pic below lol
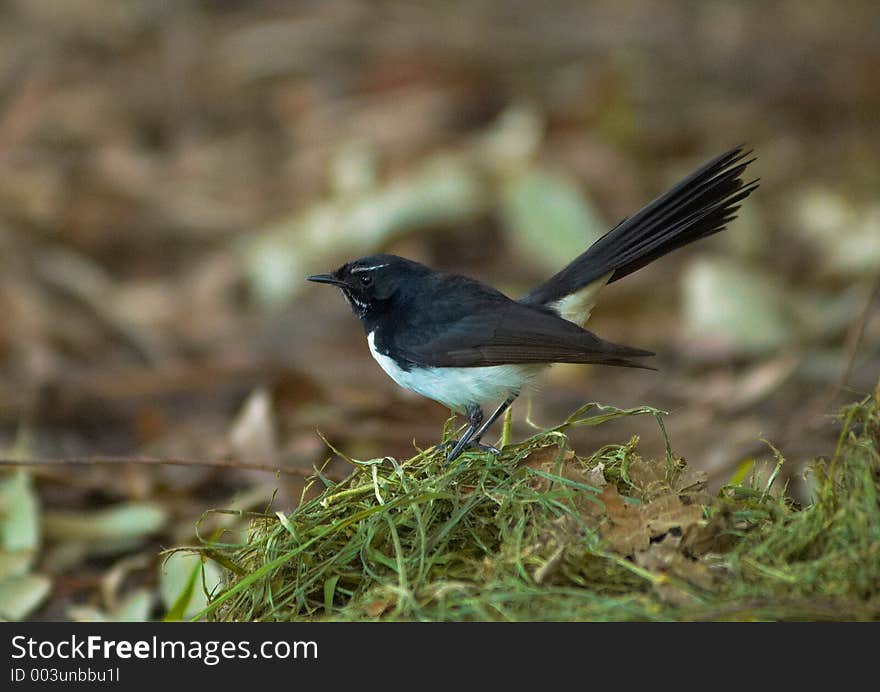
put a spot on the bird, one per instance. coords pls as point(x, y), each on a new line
point(467, 345)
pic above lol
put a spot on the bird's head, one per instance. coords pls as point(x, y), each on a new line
point(372, 284)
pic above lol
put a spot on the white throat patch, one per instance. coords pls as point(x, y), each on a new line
point(352, 300)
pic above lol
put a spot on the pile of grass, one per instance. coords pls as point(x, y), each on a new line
point(542, 533)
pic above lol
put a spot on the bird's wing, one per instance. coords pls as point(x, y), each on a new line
point(502, 331)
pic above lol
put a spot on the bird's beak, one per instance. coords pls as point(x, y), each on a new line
point(326, 279)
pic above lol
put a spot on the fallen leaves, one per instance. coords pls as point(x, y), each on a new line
point(630, 528)
point(656, 536)
point(659, 525)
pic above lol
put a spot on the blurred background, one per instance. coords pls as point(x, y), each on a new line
point(170, 172)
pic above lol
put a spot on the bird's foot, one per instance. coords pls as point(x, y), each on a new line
point(456, 450)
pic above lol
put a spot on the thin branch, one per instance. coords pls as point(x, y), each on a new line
point(157, 461)
point(853, 342)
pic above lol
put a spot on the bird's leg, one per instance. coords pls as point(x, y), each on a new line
point(475, 417)
point(478, 428)
point(478, 435)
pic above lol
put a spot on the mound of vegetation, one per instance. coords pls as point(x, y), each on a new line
point(541, 532)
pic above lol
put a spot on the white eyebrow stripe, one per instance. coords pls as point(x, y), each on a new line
point(357, 270)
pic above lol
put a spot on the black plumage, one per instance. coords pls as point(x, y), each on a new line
point(699, 206)
point(447, 320)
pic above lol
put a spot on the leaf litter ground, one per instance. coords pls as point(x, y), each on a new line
point(541, 532)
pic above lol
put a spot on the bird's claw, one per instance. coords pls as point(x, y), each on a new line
point(470, 445)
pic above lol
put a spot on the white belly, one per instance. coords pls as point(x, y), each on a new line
point(456, 388)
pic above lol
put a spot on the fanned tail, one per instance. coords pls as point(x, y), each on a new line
point(699, 206)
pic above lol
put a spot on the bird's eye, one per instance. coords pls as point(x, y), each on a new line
point(366, 280)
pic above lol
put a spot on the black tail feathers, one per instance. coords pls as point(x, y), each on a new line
point(700, 205)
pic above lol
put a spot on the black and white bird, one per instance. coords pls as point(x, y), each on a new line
point(466, 345)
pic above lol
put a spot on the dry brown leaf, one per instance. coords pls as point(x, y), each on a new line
point(631, 528)
point(713, 536)
point(690, 484)
point(649, 476)
point(652, 480)
point(661, 535)
point(626, 532)
point(665, 558)
point(668, 514)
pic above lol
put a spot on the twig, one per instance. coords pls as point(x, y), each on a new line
point(853, 342)
point(854, 337)
point(157, 461)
